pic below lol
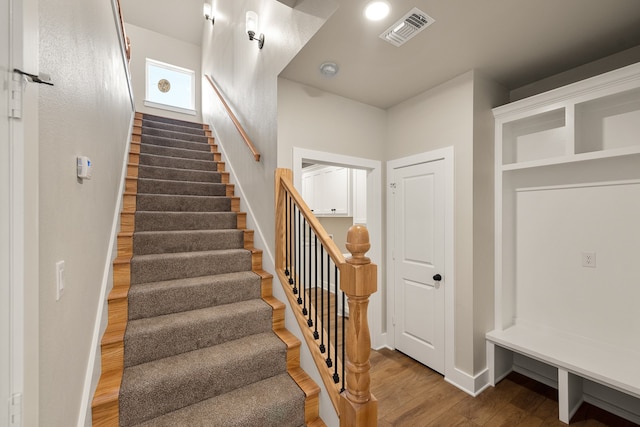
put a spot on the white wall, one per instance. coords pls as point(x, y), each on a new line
point(247, 78)
point(149, 44)
point(322, 122)
point(87, 112)
point(438, 118)
point(486, 95)
point(554, 225)
point(458, 113)
point(317, 120)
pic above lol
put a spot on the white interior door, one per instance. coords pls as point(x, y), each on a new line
point(5, 306)
point(419, 319)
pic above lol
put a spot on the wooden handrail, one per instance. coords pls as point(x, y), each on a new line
point(127, 42)
point(356, 406)
point(235, 121)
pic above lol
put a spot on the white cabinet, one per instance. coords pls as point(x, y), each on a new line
point(567, 183)
point(327, 190)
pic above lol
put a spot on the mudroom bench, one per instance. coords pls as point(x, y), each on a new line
point(565, 361)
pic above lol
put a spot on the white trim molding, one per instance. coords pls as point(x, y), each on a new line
point(446, 154)
point(378, 325)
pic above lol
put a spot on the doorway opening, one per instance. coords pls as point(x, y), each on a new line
point(372, 185)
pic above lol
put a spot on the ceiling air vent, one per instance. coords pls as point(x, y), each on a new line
point(407, 27)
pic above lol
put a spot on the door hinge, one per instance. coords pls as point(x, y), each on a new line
point(393, 320)
point(15, 410)
point(15, 102)
point(392, 185)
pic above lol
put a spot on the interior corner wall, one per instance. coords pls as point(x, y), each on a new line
point(149, 44)
point(87, 112)
point(443, 117)
point(486, 95)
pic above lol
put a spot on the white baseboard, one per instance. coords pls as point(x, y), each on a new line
point(93, 369)
point(470, 384)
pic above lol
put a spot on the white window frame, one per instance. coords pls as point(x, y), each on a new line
point(152, 62)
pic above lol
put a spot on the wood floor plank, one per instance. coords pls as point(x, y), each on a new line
point(411, 394)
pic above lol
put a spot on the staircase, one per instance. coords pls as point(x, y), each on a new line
point(204, 343)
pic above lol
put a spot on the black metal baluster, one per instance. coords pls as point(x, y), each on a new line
point(303, 269)
point(328, 360)
point(322, 347)
point(344, 360)
point(307, 294)
point(316, 335)
point(286, 236)
point(336, 377)
point(292, 229)
point(296, 290)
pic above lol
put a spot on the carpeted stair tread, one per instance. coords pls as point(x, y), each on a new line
point(164, 336)
point(274, 402)
point(185, 188)
point(165, 221)
point(176, 174)
point(178, 203)
point(159, 267)
point(199, 349)
point(182, 153)
point(176, 135)
point(173, 296)
point(168, 142)
point(167, 120)
point(168, 126)
point(151, 389)
point(156, 242)
point(177, 163)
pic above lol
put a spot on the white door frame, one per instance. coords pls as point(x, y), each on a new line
point(377, 324)
point(5, 218)
point(23, 55)
point(446, 155)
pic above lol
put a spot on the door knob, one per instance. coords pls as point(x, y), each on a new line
point(437, 277)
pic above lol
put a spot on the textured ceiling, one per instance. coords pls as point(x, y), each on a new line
point(180, 19)
point(515, 42)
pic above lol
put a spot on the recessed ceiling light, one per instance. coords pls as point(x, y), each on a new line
point(329, 69)
point(377, 10)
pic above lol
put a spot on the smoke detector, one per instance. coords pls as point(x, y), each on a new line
point(329, 69)
point(407, 27)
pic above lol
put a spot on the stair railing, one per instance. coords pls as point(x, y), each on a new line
point(311, 269)
point(235, 120)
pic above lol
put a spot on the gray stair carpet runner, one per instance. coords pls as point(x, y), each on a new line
point(199, 348)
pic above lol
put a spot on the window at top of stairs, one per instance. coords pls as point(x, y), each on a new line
point(169, 87)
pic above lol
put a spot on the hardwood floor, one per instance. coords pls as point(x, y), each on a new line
point(410, 394)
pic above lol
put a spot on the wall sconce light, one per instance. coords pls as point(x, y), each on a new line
point(206, 11)
point(252, 28)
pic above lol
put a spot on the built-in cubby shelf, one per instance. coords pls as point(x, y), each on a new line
point(567, 182)
point(599, 116)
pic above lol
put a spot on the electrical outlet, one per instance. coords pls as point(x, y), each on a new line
point(59, 279)
point(589, 259)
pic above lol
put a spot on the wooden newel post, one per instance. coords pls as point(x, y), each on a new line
point(358, 280)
